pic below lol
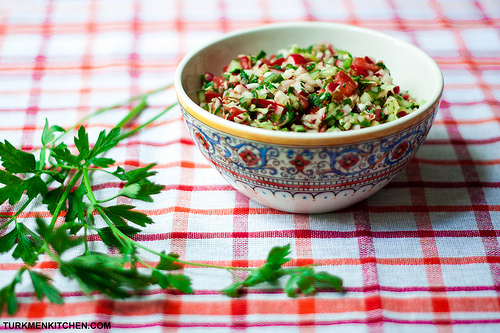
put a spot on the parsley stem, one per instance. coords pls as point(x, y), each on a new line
point(190, 263)
point(95, 203)
point(145, 263)
point(122, 237)
point(19, 211)
point(64, 197)
point(138, 128)
point(133, 113)
point(111, 107)
point(85, 229)
point(46, 249)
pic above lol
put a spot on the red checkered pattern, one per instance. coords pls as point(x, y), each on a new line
point(422, 255)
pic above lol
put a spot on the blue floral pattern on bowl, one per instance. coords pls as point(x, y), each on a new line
point(295, 178)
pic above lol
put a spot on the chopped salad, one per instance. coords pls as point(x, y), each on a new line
point(314, 89)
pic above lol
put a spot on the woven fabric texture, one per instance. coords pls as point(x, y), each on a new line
point(421, 255)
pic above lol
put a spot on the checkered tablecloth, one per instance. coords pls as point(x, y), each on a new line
point(422, 255)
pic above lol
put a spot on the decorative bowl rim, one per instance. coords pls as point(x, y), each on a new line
point(308, 138)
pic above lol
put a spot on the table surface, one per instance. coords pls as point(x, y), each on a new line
point(421, 255)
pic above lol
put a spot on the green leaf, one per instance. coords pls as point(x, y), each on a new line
point(13, 190)
point(161, 279)
point(61, 240)
point(139, 176)
point(271, 271)
point(12, 306)
point(264, 273)
point(330, 280)
point(234, 289)
point(15, 160)
point(105, 142)
point(168, 263)
point(291, 285)
point(8, 294)
point(110, 239)
point(48, 132)
point(138, 187)
point(102, 162)
point(62, 154)
point(42, 228)
point(147, 189)
point(44, 288)
point(130, 191)
point(305, 281)
point(40, 164)
point(135, 175)
point(181, 282)
point(52, 198)
point(8, 240)
point(76, 205)
point(277, 256)
point(90, 214)
point(82, 143)
point(8, 178)
point(8, 298)
point(119, 213)
point(104, 273)
point(26, 248)
point(302, 279)
point(35, 186)
point(315, 101)
point(120, 173)
point(178, 281)
point(58, 238)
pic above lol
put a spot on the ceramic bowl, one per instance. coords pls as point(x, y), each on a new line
point(310, 172)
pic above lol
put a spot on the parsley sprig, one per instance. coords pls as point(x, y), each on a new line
point(62, 178)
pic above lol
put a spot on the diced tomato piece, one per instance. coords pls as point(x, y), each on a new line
point(264, 103)
point(336, 94)
point(218, 81)
point(234, 112)
point(211, 94)
point(363, 67)
point(245, 62)
point(332, 49)
point(346, 84)
point(331, 87)
point(209, 76)
point(303, 98)
point(274, 61)
point(297, 59)
point(271, 105)
point(313, 110)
